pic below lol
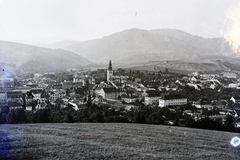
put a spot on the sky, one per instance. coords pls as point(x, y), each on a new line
point(52, 20)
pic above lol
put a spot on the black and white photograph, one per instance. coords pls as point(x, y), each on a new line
point(119, 79)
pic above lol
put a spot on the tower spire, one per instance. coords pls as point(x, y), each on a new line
point(109, 72)
point(110, 65)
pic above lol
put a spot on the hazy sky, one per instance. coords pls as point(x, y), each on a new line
point(89, 19)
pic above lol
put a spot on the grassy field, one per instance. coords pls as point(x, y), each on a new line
point(182, 67)
point(113, 141)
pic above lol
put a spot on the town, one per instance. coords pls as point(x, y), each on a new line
point(199, 100)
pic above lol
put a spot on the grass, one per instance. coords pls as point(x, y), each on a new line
point(113, 141)
point(182, 67)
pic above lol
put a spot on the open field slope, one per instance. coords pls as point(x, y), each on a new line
point(185, 67)
point(113, 141)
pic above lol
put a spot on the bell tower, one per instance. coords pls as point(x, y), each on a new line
point(109, 72)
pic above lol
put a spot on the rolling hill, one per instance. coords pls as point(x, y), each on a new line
point(113, 141)
point(38, 59)
point(140, 46)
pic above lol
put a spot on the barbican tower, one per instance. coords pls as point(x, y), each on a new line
point(109, 72)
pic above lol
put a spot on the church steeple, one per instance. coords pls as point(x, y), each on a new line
point(109, 72)
point(110, 65)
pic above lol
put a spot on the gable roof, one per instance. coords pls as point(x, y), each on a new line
point(80, 91)
point(44, 95)
point(153, 93)
point(109, 90)
point(36, 90)
point(168, 97)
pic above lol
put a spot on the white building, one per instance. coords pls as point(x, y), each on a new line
point(151, 100)
point(3, 98)
point(152, 97)
point(171, 100)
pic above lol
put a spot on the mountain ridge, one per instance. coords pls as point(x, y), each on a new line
point(131, 46)
point(150, 45)
point(25, 57)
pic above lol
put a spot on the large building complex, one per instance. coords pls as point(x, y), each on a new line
point(171, 100)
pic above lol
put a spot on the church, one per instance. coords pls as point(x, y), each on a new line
point(108, 90)
point(110, 72)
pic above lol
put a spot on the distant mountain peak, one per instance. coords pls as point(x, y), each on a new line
point(138, 45)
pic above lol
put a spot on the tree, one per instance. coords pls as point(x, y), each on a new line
point(11, 117)
point(3, 114)
point(20, 115)
point(229, 123)
point(68, 118)
point(42, 116)
point(166, 70)
point(89, 100)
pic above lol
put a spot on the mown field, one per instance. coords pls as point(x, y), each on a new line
point(113, 141)
point(182, 67)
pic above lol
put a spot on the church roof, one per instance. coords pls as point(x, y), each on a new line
point(109, 90)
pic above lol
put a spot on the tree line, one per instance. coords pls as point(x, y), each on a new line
point(105, 113)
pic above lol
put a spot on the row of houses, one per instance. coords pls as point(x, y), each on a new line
point(12, 99)
point(151, 98)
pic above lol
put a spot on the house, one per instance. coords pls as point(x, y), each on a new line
point(15, 105)
point(229, 75)
point(237, 124)
point(56, 94)
point(14, 96)
point(233, 85)
point(3, 98)
point(70, 84)
point(137, 80)
point(44, 96)
point(54, 86)
point(108, 92)
point(193, 80)
point(151, 100)
point(53, 96)
point(29, 108)
point(23, 89)
point(129, 98)
point(70, 92)
point(152, 97)
point(219, 104)
point(111, 93)
point(172, 100)
point(36, 92)
point(98, 91)
point(196, 86)
point(203, 104)
point(80, 92)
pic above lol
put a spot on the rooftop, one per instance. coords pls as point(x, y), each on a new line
point(109, 90)
point(167, 97)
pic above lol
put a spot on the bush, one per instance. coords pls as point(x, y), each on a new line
point(41, 116)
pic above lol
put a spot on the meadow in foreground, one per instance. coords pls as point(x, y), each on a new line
point(113, 141)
